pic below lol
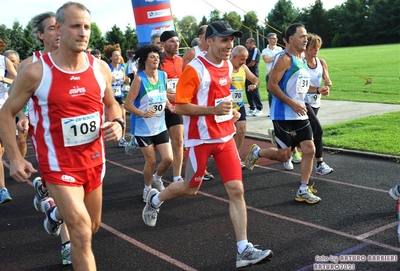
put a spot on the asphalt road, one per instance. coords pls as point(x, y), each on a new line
point(356, 218)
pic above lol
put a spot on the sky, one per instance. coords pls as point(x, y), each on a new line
point(106, 13)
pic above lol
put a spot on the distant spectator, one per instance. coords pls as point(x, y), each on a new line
point(253, 97)
point(13, 56)
point(96, 53)
point(195, 42)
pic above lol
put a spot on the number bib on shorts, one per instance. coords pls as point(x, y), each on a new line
point(312, 99)
point(223, 118)
point(80, 130)
point(303, 83)
point(171, 85)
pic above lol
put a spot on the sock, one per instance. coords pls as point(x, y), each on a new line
point(241, 245)
point(303, 187)
point(147, 186)
point(64, 244)
point(257, 153)
point(157, 177)
point(155, 201)
point(53, 215)
point(176, 178)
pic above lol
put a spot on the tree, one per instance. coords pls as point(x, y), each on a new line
point(384, 21)
point(233, 18)
point(97, 40)
point(316, 21)
point(130, 41)
point(282, 15)
point(187, 30)
point(115, 36)
point(215, 15)
point(249, 26)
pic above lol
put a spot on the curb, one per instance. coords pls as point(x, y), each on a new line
point(263, 137)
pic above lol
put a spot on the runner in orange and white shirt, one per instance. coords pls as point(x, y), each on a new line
point(203, 97)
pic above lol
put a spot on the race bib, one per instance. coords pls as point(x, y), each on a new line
point(80, 130)
point(171, 85)
point(223, 118)
point(158, 107)
point(117, 90)
point(312, 99)
point(303, 83)
point(237, 95)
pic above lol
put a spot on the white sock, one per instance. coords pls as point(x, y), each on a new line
point(176, 178)
point(303, 187)
point(241, 245)
point(147, 186)
point(157, 177)
point(156, 202)
point(53, 215)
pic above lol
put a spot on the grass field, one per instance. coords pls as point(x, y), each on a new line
point(349, 69)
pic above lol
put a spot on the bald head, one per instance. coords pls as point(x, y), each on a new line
point(239, 50)
point(239, 56)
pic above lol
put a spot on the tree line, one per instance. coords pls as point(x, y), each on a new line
point(353, 23)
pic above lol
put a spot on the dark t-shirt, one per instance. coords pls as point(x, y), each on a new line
point(254, 54)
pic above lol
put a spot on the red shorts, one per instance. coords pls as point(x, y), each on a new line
point(90, 179)
point(226, 159)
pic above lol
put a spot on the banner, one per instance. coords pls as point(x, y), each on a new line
point(151, 17)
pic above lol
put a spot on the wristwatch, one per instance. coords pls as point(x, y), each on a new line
point(120, 121)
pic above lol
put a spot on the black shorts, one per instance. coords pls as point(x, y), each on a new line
point(289, 133)
point(172, 119)
point(161, 138)
point(242, 112)
point(120, 100)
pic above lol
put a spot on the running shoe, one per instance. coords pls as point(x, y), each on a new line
point(288, 164)
point(122, 143)
point(39, 194)
point(131, 147)
point(252, 158)
point(150, 213)
point(208, 176)
point(296, 157)
point(157, 184)
point(66, 254)
point(5, 195)
point(323, 169)
point(145, 190)
point(395, 192)
point(250, 112)
point(307, 196)
point(257, 113)
point(252, 256)
point(243, 165)
point(271, 134)
point(52, 227)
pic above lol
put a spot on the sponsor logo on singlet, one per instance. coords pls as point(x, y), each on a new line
point(223, 81)
point(74, 78)
point(67, 178)
point(77, 91)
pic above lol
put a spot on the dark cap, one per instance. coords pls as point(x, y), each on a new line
point(166, 35)
point(221, 29)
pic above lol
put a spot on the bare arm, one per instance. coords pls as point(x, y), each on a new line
point(188, 56)
point(252, 78)
point(112, 130)
point(325, 74)
point(24, 87)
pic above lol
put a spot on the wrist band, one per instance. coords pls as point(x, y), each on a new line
point(121, 122)
point(318, 90)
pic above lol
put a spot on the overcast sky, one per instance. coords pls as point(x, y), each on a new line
point(106, 13)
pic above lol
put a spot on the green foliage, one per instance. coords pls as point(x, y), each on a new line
point(97, 40)
point(187, 30)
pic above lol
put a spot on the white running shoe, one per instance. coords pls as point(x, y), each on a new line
point(157, 184)
point(323, 169)
point(252, 255)
point(288, 164)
